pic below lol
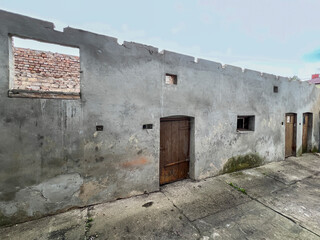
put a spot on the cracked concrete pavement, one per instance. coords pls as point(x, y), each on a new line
point(281, 202)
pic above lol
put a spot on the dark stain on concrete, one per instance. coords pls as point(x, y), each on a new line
point(7, 120)
point(60, 234)
point(148, 204)
point(99, 159)
point(40, 137)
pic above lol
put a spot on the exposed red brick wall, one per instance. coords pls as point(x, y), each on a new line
point(46, 71)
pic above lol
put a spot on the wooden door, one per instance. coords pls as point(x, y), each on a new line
point(305, 133)
point(174, 149)
point(290, 135)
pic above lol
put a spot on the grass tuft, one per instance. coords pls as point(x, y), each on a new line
point(240, 189)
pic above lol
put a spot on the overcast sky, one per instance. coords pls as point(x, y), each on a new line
point(274, 36)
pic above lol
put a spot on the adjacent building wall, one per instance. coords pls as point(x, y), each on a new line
point(52, 158)
point(45, 71)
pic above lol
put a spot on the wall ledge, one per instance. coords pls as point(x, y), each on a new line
point(17, 93)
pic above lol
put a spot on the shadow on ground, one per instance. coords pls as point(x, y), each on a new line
point(279, 200)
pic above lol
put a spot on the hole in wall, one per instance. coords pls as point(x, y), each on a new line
point(99, 128)
point(171, 79)
point(147, 126)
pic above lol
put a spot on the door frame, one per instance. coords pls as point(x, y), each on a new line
point(294, 134)
point(191, 143)
point(309, 132)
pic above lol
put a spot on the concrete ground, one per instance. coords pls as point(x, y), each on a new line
point(280, 200)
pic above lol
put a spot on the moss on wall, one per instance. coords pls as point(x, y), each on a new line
point(299, 152)
point(19, 216)
point(4, 220)
point(242, 162)
point(314, 149)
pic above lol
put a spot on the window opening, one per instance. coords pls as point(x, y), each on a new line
point(44, 70)
point(147, 126)
point(171, 79)
point(245, 123)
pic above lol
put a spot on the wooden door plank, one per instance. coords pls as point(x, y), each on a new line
point(184, 134)
point(165, 146)
point(289, 136)
point(175, 143)
point(305, 133)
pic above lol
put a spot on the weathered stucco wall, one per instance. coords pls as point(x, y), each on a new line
point(52, 158)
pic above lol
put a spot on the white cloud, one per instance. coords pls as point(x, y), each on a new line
point(307, 69)
point(247, 15)
point(266, 68)
point(266, 18)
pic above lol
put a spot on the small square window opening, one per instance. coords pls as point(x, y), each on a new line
point(99, 128)
point(171, 79)
point(245, 123)
point(275, 89)
point(147, 126)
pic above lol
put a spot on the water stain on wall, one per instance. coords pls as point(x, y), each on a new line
point(136, 163)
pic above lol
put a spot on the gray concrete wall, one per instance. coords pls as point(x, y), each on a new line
point(52, 158)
